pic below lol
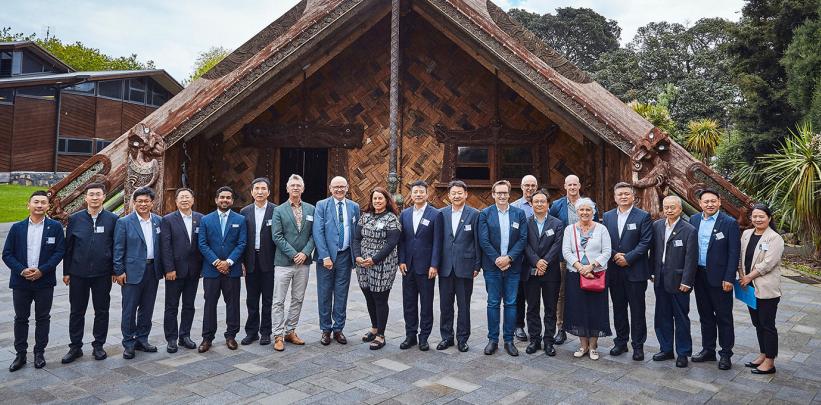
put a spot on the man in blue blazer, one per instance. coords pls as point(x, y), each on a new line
point(87, 269)
point(419, 254)
point(719, 247)
point(182, 263)
point(222, 240)
point(33, 249)
point(503, 237)
point(460, 264)
point(334, 224)
point(631, 234)
point(137, 265)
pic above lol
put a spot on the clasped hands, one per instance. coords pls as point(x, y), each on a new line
point(364, 262)
point(586, 270)
point(503, 262)
point(541, 267)
point(31, 273)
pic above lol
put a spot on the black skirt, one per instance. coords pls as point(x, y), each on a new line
point(586, 314)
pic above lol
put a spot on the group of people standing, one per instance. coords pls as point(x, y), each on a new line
point(531, 254)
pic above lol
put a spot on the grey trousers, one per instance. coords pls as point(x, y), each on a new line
point(294, 278)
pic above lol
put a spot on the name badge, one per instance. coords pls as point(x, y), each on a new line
point(353, 219)
point(678, 243)
point(720, 236)
point(425, 221)
point(50, 240)
point(158, 231)
point(631, 227)
point(99, 229)
point(197, 230)
point(550, 232)
point(268, 222)
point(309, 217)
point(764, 247)
point(515, 225)
point(234, 225)
point(468, 228)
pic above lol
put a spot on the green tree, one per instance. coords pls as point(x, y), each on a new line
point(657, 115)
point(703, 138)
point(578, 34)
point(802, 63)
point(205, 61)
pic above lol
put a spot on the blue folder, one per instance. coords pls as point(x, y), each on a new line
point(745, 294)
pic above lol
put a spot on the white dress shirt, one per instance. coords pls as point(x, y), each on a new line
point(34, 241)
point(417, 216)
point(455, 217)
point(259, 217)
point(188, 220)
point(668, 230)
point(622, 220)
point(148, 234)
point(346, 222)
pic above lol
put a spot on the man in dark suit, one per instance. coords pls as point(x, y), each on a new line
point(222, 240)
point(674, 257)
point(503, 237)
point(419, 255)
point(543, 276)
point(719, 247)
point(258, 263)
point(87, 269)
point(182, 262)
point(334, 226)
point(33, 249)
point(529, 185)
point(137, 264)
point(631, 233)
point(459, 265)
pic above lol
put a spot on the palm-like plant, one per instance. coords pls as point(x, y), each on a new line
point(703, 137)
point(656, 114)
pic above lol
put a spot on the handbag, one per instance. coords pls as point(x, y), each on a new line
point(595, 284)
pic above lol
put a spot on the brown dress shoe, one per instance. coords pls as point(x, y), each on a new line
point(231, 343)
point(279, 344)
point(326, 338)
point(204, 346)
point(340, 338)
point(291, 337)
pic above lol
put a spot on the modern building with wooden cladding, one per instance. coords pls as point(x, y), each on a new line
point(387, 92)
point(52, 118)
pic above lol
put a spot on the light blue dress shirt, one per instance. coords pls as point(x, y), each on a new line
point(504, 230)
point(705, 231)
point(525, 206)
point(540, 224)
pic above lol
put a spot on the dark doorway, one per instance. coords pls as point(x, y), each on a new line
point(312, 165)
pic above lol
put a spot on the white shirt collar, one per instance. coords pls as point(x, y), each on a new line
point(420, 209)
point(625, 212)
point(674, 223)
point(37, 223)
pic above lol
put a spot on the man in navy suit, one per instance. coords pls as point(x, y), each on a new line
point(258, 263)
point(674, 256)
point(222, 240)
point(529, 185)
point(631, 233)
point(87, 269)
point(333, 229)
point(137, 264)
point(419, 254)
point(503, 237)
point(33, 249)
point(460, 264)
point(719, 247)
point(182, 262)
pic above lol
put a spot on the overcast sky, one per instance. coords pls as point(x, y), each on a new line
point(173, 33)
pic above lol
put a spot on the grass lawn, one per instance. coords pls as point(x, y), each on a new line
point(13, 199)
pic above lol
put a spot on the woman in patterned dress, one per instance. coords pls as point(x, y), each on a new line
point(374, 247)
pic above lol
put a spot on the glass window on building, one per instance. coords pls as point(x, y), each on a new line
point(136, 90)
point(75, 146)
point(111, 89)
point(6, 59)
point(86, 88)
point(38, 91)
point(7, 96)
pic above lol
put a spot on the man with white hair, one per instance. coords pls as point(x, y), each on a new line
point(529, 185)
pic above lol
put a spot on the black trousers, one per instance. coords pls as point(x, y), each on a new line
point(625, 293)
point(42, 299)
point(182, 288)
point(763, 318)
point(417, 302)
point(258, 285)
point(459, 290)
point(539, 291)
point(378, 309)
point(229, 288)
point(79, 289)
point(715, 310)
point(521, 299)
point(138, 308)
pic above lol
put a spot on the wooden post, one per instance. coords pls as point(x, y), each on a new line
point(394, 98)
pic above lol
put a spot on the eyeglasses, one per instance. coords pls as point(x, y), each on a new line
point(501, 193)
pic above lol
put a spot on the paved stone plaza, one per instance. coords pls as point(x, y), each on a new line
point(351, 373)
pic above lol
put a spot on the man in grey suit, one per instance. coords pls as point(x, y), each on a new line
point(258, 263)
point(460, 264)
point(674, 257)
point(292, 226)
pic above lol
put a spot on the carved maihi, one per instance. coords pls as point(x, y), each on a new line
point(145, 150)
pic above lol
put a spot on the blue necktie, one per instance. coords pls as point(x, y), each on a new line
point(341, 224)
point(222, 223)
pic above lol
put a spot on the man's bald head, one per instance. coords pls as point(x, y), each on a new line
point(671, 205)
point(572, 185)
point(529, 186)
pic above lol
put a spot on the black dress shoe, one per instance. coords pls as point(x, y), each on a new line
point(491, 347)
point(18, 363)
point(423, 345)
point(145, 347)
point(172, 347)
point(533, 347)
point(661, 356)
point(463, 347)
point(444, 344)
point(326, 338)
point(549, 349)
point(247, 340)
point(39, 360)
point(520, 334)
point(265, 340)
point(724, 363)
point(128, 354)
point(340, 338)
point(99, 353)
point(511, 349)
point(74, 353)
point(187, 343)
point(759, 371)
point(750, 364)
point(638, 354)
point(704, 355)
point(409, 342)
point(560, 337)
point(681, 361)
point(618, 350)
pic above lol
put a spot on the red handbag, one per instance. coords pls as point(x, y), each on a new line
point(595, 284)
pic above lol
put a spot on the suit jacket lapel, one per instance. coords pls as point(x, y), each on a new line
point(630, 217)
point(135, 222)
